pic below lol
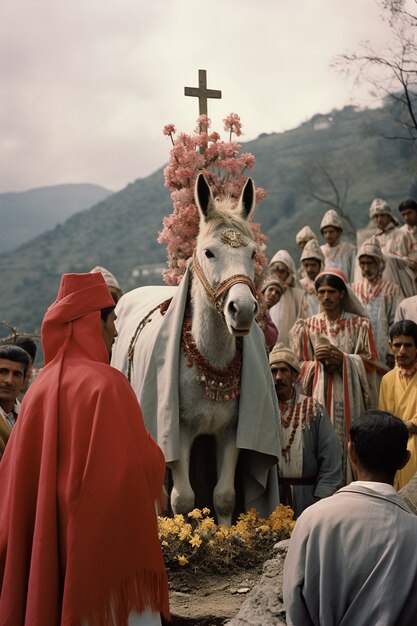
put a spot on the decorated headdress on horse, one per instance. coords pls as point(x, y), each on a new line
point(223, 167)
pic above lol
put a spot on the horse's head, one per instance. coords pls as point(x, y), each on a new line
point(224, 255)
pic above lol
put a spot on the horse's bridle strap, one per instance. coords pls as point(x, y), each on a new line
point(216, 295)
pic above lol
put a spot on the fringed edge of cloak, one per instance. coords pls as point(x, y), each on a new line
point(143, 590)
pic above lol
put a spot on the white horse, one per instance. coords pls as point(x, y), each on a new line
point(214, 314)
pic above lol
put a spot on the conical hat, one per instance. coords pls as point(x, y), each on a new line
point(305, 234)
point(312, 250)
point(331, 218)
point(381, 207)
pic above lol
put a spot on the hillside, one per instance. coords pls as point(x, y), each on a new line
point(24, 215)
point(120, 232)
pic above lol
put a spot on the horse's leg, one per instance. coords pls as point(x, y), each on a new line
point(224, 491)
point(182, 494)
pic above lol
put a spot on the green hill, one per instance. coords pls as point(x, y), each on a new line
point(23, 215)
point(120, 232)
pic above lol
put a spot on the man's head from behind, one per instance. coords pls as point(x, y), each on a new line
point(378, 446)
point(14, 366)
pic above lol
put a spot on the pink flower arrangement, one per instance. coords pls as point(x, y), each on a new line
point(224, 169)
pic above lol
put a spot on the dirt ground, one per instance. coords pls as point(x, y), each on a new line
point(208, 599)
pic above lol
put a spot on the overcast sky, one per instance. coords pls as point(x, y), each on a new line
point(87, 85)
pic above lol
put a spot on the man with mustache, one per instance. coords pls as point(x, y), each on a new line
point(310, 464)
point(14, 366)
point(398, 393)
point(337, 348)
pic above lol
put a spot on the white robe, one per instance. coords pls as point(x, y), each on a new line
point(407, 310)
point(351, 561)
point(155, 379)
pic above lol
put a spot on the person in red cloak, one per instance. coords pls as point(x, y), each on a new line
point(79, 481)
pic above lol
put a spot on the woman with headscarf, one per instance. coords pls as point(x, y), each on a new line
point(292, 303)
point(337, 349)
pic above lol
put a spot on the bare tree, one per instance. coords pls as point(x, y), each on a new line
point(392, 74)
point(327, 181)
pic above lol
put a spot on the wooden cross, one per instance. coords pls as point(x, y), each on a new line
point(201, 92)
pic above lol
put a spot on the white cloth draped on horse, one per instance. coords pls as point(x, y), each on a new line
point(155, 378)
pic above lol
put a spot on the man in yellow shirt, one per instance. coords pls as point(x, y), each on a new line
point(398, 393)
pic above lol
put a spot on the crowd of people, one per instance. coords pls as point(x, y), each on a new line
point(341, 338)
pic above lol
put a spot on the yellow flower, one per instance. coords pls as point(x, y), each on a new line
point(195, 514)
point(207, 524)
point(182, 560)
point(264, 528)
point(195, 541)
point(206, 511)
point(185, 532)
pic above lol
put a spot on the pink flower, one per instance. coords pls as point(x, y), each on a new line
point(233, 124)
point(222, 166)
point(248, 159)
point(169, 130)
point(202, 121)
point(260, 194)
point(214, 137)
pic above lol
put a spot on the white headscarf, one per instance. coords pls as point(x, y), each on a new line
point(350, 303)
point(282, 256)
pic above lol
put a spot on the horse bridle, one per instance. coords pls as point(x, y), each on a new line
point(218, 295)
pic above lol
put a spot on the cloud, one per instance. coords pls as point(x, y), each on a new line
point(89, 84)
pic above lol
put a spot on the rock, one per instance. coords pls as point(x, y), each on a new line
point(264, 604)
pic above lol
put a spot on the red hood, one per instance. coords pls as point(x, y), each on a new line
point(75, 314)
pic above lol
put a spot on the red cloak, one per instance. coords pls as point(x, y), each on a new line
point(78, 482)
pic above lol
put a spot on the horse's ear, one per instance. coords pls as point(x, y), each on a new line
point(247, 198)
point(202, 195)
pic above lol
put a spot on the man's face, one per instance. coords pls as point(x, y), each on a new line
point(404, 350)
point(284, 378)
point(12, 379)
point(311, 268)
point(369, 266)
point(108, 330)
point(382, 221)
point(330, 298)
point(409, 216)
point(272, 295)
point(331, 235)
